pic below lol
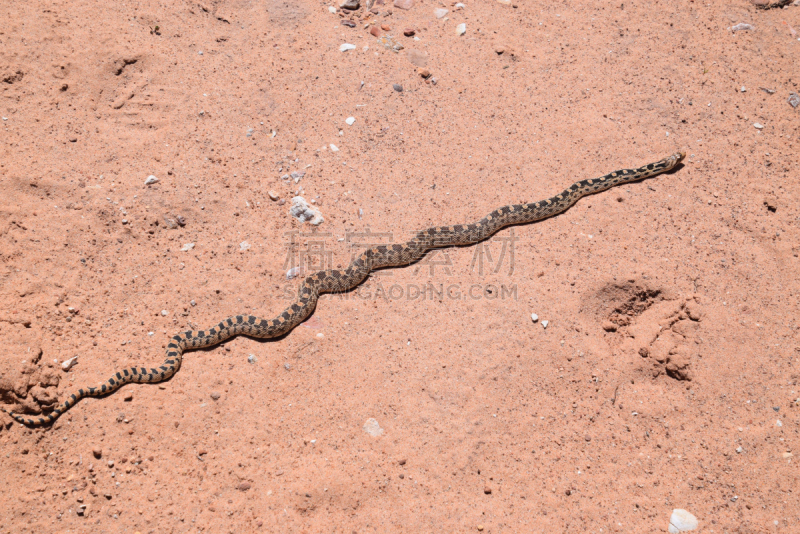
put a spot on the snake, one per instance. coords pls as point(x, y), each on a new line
point(342, 280)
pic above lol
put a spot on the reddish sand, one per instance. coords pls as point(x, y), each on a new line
point(666, 376)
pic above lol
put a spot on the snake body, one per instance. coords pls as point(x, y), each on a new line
point(338, 280)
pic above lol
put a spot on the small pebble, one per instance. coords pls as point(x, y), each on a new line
point(332, 9)
point(350, 120)
point(111, 463)
point(348, 23)
point(67, 364)
point(244, 245)
point(347, 46)
point(128, 397)
point(372, 427)
point(187, 247)
point(741, 26)
point(682, 521)
point(440, 12)
point(97, 452)
point(244, 486)
point(487, 490)
point(461, 29)
point(409, 32)
point(294, 272)
point(385, 27)
point(425, 73)
point(375, 31)
point(397, 87)
point(794, 100)
point(251, 358)
point(164, 313)
point(273, 196)
point(743, 89)
point(758, 125)
point(215, 396)
point(192, 302)
point(334, 148)
point(534, 317)
point(545, 323)
point(404, 4)
point(150, 180)
point(287, 366)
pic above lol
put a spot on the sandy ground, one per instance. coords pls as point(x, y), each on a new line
point(666, 375)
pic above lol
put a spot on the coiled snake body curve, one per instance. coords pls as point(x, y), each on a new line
point(338, 280)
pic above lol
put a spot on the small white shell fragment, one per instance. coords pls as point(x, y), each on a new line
point(150, 180)
point(347, 46)
point(350, 120)
point(681, 521)
point(66, 365)
point(334, 148)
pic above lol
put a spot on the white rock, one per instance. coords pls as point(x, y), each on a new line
point(681, 521)
point(350, 120)
point(67, 364)
point(743, 89)
point(273, 195)
point(534, 317)
point(244, 245)
point(294, 272)
point(164, 313)
point(545, 323)
point(334, 148)
point(372, 427)
point(332, 9)
point(440, 12)
point(742, 26)
point(347, 46)
point(461, 29)
point(187, 247)
point(758, 125)
point(150, 180)
point(301, 211)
